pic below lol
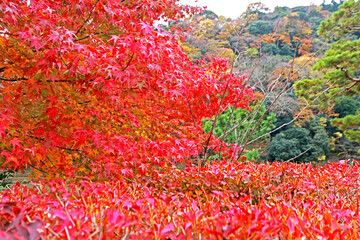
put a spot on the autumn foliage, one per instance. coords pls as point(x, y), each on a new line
point(96, 87)
point(224, 201)
point(105, 108)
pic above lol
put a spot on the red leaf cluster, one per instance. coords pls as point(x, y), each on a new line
point(96, 87)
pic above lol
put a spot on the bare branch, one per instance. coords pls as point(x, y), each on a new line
point(222, 97)
point(292, 159)
point(293, 120)
point(262, 116)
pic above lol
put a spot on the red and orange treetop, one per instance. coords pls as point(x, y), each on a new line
point(97, 87)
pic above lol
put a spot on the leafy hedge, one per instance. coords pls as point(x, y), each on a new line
point(223, 201)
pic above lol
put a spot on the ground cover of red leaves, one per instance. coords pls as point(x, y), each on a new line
point(221, 201)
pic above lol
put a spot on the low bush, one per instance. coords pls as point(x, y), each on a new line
point(222, 201)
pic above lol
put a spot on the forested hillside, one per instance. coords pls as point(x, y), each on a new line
point(200, 128)
point(278, 49)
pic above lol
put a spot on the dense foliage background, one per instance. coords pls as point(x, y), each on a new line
point(278, 50)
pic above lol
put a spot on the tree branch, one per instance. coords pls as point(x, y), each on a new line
point(352, 27)
point(291, 159)
point(191, 112)
point(224, 92)
point(87, 19)
point(26, 79)
point(294, 119)
point(347, 74)
point(127, 65)
point(60, 147)
point(13, 79)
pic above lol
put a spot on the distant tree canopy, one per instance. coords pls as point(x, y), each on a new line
point(290, 30)
point(270, 48)
point(347, 105)
point(333, 6)
point(300, 144)
point(260, 27)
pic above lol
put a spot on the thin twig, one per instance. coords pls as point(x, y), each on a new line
point(262, 116)
point(291, 159)
point(127, 65)
point(270, 89)
point(191, 112)
point(43, 139)
point(65, 208)
point(296, 117)
point(87, 19)
point(26, 79)
point(223, 96)
point(40, 170)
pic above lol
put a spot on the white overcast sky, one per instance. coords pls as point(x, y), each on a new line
point(234, 8)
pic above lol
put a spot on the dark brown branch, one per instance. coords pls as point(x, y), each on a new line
point(87, 36)
point(26, 79)
point(352, 27)
point(39, 169)
point(350, 87)
point(127, 65)
point(52, 163)
point(347, 74)
point(79, 39)
point(291, 159)
point(60, 147)
point(13, 79)
point(84, 102)
point(191, 112)
point(87, 19)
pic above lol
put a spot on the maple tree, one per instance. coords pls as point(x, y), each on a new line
point(97, 87)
